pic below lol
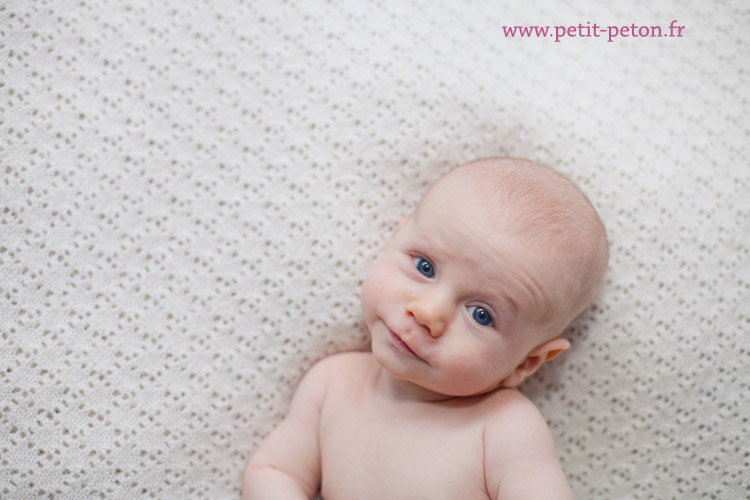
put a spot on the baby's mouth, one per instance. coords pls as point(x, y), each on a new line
point(403, 345)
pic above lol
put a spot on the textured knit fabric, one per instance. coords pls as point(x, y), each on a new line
point(191, 193)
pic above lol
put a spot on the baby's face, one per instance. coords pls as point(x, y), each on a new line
point(455, 302)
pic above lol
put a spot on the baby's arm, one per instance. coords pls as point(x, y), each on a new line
point(287, 463)
point(520, 459)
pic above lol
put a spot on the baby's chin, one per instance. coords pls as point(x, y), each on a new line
point(436, 391)
point(419, 376)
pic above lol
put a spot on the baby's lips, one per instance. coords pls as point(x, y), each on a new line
point(402, 341)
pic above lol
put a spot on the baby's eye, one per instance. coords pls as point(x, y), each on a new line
point(480, 315)
point(424, 267)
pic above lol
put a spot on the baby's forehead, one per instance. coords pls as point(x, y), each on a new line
point(528, 210)
point(531, 198)
point(542, 210)
point(462, 224)
point(534, 205)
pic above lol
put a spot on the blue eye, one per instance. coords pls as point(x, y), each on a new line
point(424, 267)
point(480, 315)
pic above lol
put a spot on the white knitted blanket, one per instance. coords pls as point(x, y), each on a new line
point(192, 191)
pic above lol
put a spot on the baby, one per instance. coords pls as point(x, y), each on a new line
point(468, 299)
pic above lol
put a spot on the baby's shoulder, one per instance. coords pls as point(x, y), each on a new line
point(346, 376)
point(344, 366)
point(519, 452)
point(515, 430)
point(345, 361)
point(507, 411)
point(508, 400)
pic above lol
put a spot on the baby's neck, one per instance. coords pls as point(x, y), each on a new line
point(402, 390)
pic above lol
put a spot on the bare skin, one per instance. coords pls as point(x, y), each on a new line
point(372, 440)
point(461, 309)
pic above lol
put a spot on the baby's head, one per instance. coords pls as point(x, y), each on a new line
point(478, 283)
point(548, 216)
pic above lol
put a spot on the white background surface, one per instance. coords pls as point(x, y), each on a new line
point(191, 193)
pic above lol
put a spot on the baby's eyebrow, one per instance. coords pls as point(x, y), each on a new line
point(498, 295)
point(512, 305)
point(427, 244)
point(509, 306)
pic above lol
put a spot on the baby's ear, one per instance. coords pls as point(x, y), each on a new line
point(537, 357)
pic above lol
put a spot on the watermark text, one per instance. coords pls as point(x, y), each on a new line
point(590, 30)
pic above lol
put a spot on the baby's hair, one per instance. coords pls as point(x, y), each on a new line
point(546, 207)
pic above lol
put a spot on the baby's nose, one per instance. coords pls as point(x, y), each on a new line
point(431, 312)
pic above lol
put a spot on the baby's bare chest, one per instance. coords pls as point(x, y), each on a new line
point(376, 452)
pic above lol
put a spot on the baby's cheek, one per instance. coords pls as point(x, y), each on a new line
point(487, 362)
point(371, 290)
